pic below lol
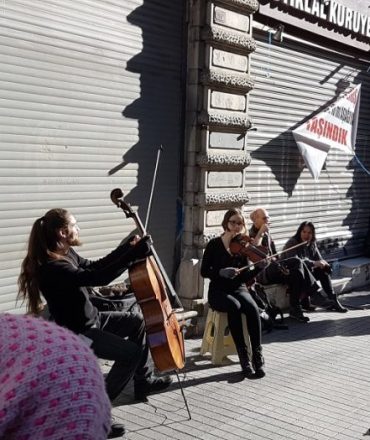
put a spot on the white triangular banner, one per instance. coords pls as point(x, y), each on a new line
point(336, 127)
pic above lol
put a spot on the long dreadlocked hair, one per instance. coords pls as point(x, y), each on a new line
point(42, 245)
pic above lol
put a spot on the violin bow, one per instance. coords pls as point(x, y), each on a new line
point(273, 255)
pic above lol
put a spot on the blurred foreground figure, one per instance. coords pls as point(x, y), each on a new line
point(51, 386)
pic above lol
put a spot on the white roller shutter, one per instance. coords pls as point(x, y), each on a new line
point(89, 89)
point(294, 80)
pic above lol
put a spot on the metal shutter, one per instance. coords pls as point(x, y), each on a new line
point(294, 80)
point(89, 90)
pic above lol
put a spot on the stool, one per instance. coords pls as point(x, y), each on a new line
point(217, 339)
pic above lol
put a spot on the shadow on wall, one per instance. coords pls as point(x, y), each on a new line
point(158, 113)
point(282, 156)
point(358, 220)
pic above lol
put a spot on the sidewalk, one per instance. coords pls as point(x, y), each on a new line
point(317, 387)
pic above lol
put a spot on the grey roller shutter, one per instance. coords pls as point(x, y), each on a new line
point(89, 90)
point(294, 80)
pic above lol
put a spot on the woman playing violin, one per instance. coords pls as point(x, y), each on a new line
point(228, 291)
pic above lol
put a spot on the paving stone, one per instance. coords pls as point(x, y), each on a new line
point(317, 387)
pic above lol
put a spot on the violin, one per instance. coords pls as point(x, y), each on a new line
point(242, 245)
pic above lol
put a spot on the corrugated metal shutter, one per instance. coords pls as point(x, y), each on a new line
point(89, 90)
point(294, 80)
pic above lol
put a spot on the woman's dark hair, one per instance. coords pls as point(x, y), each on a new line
point(297, 235)
point(230, 213)
point(42, 245)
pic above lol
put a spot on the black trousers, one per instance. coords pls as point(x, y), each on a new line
point(121, 337)
point(325, 281)
point(299, 278)
point(235, 304)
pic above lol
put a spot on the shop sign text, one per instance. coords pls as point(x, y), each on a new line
point(335, 13)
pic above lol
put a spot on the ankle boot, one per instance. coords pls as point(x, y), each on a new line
point(297, 314)
point(307, 305)
point(258, 362)
point(244, 362)
point(336, 305)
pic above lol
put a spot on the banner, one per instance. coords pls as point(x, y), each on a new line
point(336, 127)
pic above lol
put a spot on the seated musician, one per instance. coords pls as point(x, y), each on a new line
point(310, 254)
point(291, 271)
point(228, 292)
point(52, 268)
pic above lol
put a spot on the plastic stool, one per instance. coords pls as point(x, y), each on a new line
point(217, 339)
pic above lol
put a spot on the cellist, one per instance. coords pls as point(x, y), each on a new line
point(53, 269)
point(228, 291)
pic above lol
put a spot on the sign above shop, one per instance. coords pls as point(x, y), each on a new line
point(334, 127)
point(344, 21)
point(334, 13)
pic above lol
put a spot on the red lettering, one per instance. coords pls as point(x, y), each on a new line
point(328, 130)
point(343, 136)
point(335, 133)
point(320, 129)
point(324, 128)
point(313, 125)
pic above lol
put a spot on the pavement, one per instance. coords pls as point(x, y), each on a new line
point(317, 386)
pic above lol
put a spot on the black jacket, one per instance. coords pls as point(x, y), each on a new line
point(308, 253)
point(216, 257)
point(64, 283)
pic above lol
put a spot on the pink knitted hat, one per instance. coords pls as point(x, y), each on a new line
point(51, 386)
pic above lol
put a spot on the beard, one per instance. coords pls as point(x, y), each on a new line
point(75, 241)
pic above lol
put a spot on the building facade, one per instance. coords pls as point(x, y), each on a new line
point(264, 70)
point(91, 89)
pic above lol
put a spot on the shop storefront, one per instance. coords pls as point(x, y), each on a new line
point(274, 65)
point(309, 53)
point(89, 91)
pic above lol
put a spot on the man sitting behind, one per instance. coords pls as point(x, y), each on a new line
point(290, 271)
point(54, 269)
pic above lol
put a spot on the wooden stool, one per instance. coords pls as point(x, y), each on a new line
point(217, 339)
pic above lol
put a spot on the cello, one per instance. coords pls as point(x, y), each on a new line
point(150, 285)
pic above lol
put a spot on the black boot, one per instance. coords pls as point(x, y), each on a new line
point(116, 430)
point(307, 305)
point(297, 314)
point(336, 305)
point(244, 362)
point(258, 362)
